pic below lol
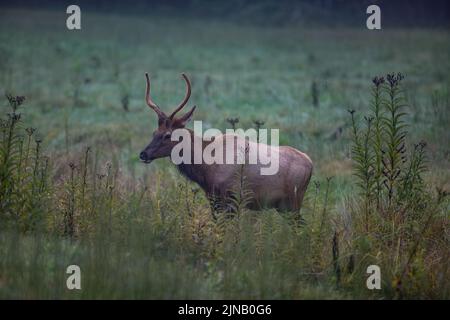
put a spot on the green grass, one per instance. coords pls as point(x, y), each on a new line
point(144, 231)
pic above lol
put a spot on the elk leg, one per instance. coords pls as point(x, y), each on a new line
point(218, 202)
point(214, 203)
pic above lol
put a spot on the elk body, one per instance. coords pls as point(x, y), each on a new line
point(284, 190)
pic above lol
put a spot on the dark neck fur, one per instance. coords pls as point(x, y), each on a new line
point(195, 172)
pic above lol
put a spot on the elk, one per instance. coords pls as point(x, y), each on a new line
point(283, 190)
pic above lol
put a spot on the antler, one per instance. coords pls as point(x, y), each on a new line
point(186, 97)
point(149, 100)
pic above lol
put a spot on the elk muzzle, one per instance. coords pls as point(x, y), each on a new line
point(145, 157)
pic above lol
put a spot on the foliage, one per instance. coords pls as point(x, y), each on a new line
point(397, 206)
point(24, 186)
point(141, 231)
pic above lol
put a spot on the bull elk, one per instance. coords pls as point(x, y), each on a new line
point(283, 190)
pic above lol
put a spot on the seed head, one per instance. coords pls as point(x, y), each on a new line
point(377, 81)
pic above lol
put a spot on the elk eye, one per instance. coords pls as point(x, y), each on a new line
point(167, 135)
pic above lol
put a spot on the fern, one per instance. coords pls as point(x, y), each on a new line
point(241, 194)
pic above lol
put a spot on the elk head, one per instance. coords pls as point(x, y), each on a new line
point(161, 144)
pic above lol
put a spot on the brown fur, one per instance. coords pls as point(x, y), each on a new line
point(284, 190)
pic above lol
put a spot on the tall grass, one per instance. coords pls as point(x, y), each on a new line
point(145, 232)
point(396, 216)
point(157, 239)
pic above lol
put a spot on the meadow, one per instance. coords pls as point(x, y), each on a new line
point(74, 192)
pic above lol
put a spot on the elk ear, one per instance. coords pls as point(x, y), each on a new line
point(186, 117)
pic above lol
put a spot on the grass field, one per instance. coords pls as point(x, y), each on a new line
point(144, 231)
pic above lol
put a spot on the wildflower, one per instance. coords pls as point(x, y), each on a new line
point(394, 79)
point(15, 101)
point(377, 81)
point(233, 122)
point(30, 131)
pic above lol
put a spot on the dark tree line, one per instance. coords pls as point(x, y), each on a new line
point(400, 13)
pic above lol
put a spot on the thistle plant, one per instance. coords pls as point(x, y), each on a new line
point(233, 122)
point(383, 169)
point(11, 146)
point(412, 184)
point(258, 124)
point(394, 128)
point(363, 156)
point(23, 171)
point(378, 135)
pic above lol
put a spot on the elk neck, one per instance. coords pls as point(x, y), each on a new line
point(196, 172)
